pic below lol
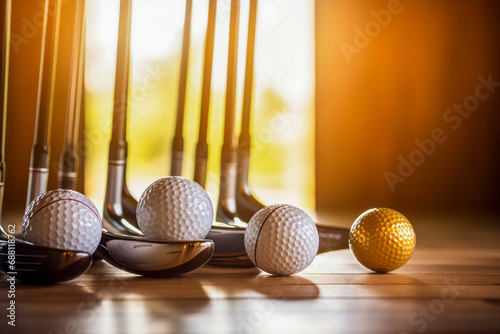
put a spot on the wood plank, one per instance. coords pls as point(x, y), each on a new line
point(370, 316)
point(334, 294)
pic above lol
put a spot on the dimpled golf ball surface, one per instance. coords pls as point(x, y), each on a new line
point(63, 219)
point(382, 239)
point(175, 208)
point(281, 239)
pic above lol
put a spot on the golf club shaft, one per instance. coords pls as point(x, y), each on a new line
point(69, 157)
point(5, 16)
point(40, 264)
point(39, 172)
point(119, 205)
point(81, 126)
point(246, 203)
point(178, 141)
point(118, 145)
point(244, 139)
point(201, 159)
point(332, 238)
point(227, 187)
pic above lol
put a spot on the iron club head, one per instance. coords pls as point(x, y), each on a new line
point(152, 257)
point(230, 245)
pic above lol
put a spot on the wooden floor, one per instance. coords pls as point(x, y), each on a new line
point(451, 285)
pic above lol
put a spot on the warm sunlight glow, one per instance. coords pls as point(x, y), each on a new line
point(282, 165)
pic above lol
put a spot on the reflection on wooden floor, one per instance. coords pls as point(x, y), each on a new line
point(452, 284)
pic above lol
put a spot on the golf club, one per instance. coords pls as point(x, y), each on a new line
point(69, 158)
point(228, 238)
point(201, 158)
point(119, 204)
point(18, 258)
point(40, 154)
point(246, 203)
point(178, 141)
point(230, 250)
point(230, 244)
point(80, 183)
point(226, 206)
point(132, 252)
point(229, 231)
point(152, 257)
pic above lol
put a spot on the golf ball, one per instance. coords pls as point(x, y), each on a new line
point(281, 239)
point(63, 219)
point(175, 208)
point(382, 239)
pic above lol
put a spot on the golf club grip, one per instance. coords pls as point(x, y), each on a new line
point(332, 238)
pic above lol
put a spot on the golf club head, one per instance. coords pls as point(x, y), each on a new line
point(226, 213)
point(229, 245)
point(246, 204)
point(119, 205)
point(226, 205)
point(39, 264)
point(154, 258)
point(129, 204)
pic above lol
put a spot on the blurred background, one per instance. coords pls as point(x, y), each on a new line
point(387, 73)
point(369, 91)
point(282, 162)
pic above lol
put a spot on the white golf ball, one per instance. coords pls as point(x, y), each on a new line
point(63, 219)
point(175, 208)
point(281, 239)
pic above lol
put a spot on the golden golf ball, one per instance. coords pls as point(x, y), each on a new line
point(382, 239)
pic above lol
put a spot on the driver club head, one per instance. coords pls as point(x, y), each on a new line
point(152, 257)
point(39, 264)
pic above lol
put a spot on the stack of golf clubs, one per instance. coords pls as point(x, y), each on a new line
point(38, 264)
point(121, 233)
point(120, 206)
point(34, 263)
point(122, 243)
